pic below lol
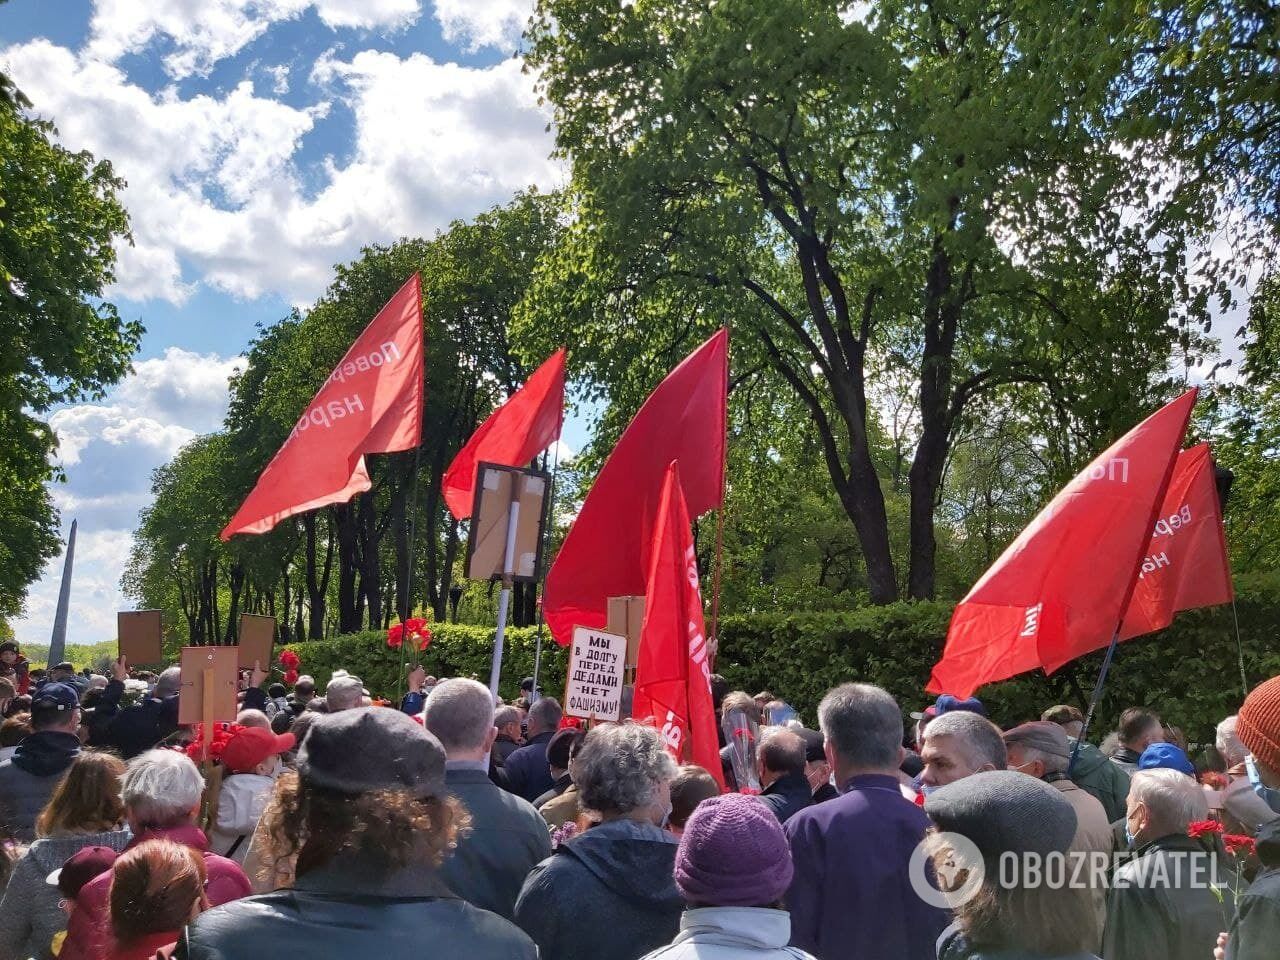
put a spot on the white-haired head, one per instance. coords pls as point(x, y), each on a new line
point(160, 789)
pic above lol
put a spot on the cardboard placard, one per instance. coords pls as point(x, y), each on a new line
point(626, 616)
point(257, 637)
point(140, 636)
point(490, 516)
point(593, 689)
point(193, 707)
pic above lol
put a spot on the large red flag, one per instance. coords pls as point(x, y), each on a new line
point(514, 434)
point(606, 553)
point(673, 677)
point(1186, 564)
point(1060, 588)
point(371, 403)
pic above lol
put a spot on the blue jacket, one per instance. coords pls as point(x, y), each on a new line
point(787, 796)
point(607, 894)
point(528, 772)
point(851, 898)
point(29, 777)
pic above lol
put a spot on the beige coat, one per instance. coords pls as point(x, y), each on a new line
point(1095, 841)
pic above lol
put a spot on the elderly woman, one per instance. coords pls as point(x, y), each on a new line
point(369, 819)
point(609, 893)
point(161, 791)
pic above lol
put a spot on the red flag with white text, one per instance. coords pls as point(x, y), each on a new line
point(1186, 564)
point(606, 552)
point(673, 677)
point(370, 403)
point(514, 434)
point(1060, 589)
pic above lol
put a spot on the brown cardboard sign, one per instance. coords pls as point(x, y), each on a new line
point(490, 517)
point(140, 635)
point(257, 637)
point(220, 703)
point(626, 616)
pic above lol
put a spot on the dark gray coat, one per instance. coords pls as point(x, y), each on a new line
point(508, 838)
point(29, 777)
point(1255, 932)
point(608, 894)
point(349, 909)
point(1162, 906)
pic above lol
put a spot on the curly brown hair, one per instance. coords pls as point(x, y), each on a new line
point(87, 799)
point(390, 828)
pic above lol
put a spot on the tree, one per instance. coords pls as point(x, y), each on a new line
point(929, 190)
point(60, 221)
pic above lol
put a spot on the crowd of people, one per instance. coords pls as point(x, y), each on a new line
point(325, 823)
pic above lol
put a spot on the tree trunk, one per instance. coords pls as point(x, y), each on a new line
point(235, 578)
point(440, 604)
point(347, 534)
point(371, 564)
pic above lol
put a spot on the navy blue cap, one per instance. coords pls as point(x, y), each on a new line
point(62, 696)
point(947, 703)
point(1168, 756)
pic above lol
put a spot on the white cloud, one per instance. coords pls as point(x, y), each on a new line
point(108, 451)
point(95, 590)
point(205, 31)
point(474, 24)
point(214, 188)
point(279, 75)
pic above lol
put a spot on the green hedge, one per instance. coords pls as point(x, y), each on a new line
point(1188, 672)
point(456, 650)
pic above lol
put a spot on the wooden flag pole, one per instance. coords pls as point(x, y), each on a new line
point(542, 574)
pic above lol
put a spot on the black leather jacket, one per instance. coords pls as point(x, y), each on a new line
point(350, 909)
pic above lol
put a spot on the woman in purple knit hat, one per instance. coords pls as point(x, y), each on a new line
point(732, 869)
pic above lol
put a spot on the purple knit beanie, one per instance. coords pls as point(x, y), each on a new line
point(733, 854)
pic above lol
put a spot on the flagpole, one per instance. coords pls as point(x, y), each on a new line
point(1097, 696)
point(1235, 619)
point(551, 519)
point(411, 530)
point(719, 550)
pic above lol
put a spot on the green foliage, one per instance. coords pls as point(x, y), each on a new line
point(1189, 672)
point(456, 650)
point(96, 656)
point(59, 222)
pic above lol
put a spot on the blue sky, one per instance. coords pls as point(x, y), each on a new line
point(262, 142)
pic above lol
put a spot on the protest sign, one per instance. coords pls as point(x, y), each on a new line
point(257, 636)
point(140, 636)
point(593, 690)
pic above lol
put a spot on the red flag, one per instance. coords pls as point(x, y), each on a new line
point(1060, 588)
point(673, 677)
point(371, 403)
point(1186, 562)
point(514, 434)
point(606, 553)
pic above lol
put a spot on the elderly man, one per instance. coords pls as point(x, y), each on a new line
point(1168, 903)
point(1139, 728)
point(959, 744)
point(344, 692)
point(510, 736)
point(851, 896)
point(1042, 750)
point(1243, 811)
point(528, 772)
point(161, 791)
point(508, 837)
point(28, 778)
point(780, 760)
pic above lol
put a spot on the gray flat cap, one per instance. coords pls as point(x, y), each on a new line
point(1004, 811)
point(1042, 735)
point(371, 748)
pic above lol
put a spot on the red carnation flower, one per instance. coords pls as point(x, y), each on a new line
point(290, 660)
point(395, 636)
point(1238, 843)
point(1198, 828)
point(424, 638)
point(291, 676)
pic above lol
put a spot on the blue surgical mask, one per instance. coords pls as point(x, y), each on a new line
point(1130, 840)
point(927, 788)
point(1269, 795)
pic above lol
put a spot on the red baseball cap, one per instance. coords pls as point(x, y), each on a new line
point(249, 746)
point(82, 867)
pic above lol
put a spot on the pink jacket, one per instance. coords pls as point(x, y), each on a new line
point(89, 929)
